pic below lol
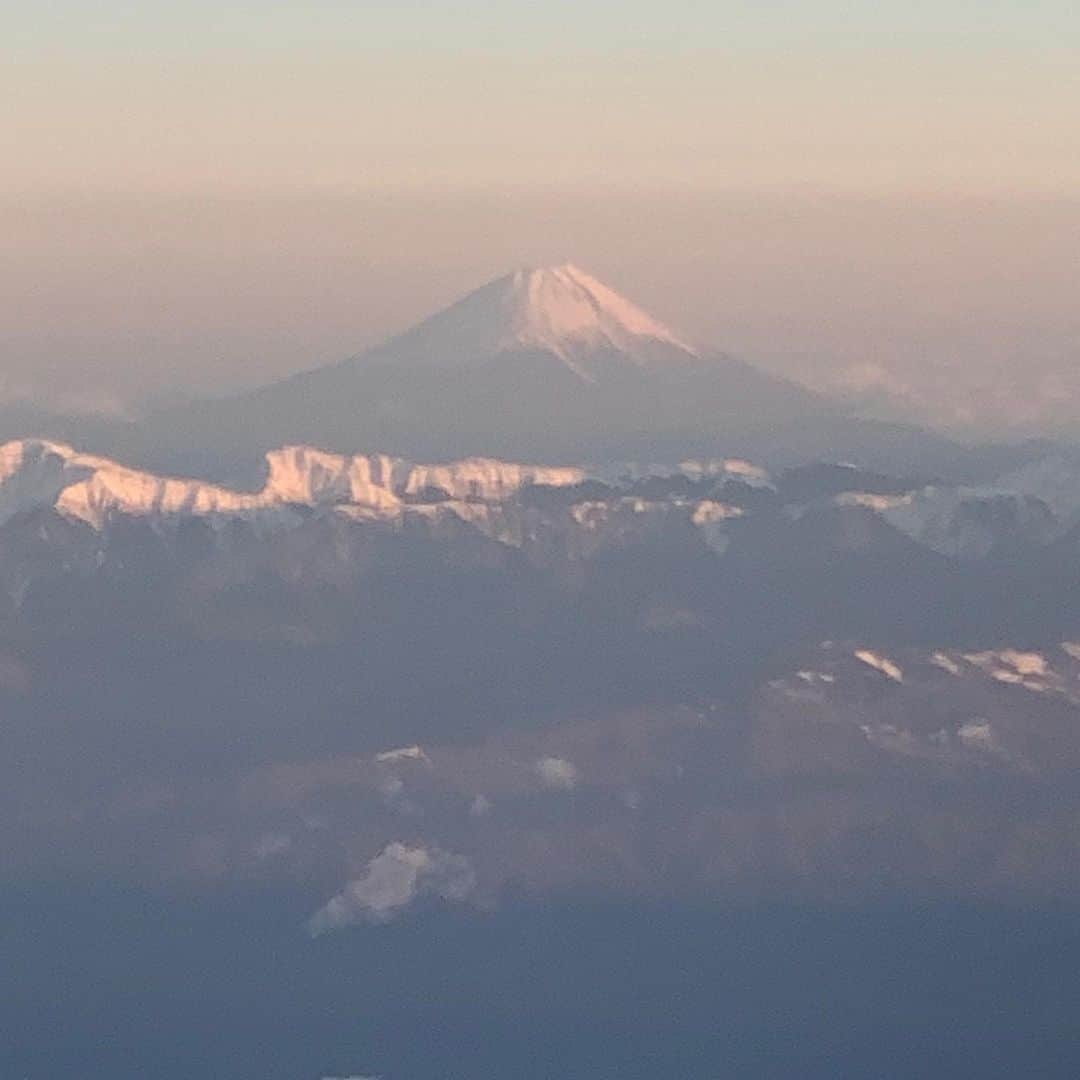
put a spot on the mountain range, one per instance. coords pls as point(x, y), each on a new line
point(492, 607)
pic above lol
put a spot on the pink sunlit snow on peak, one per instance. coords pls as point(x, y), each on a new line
point(558, 306)
point(560, 310)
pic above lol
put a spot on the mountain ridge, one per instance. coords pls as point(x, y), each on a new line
point(39, 473)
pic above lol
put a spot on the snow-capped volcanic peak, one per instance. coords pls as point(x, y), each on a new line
point(560, 310)
point(564, 307)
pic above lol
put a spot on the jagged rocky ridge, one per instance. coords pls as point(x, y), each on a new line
point(38, 474)
point(1028, 508)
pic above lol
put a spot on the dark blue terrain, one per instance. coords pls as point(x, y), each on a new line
point(105, 986)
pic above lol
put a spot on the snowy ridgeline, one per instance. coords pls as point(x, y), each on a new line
point(1028, 508)
point(38, 474)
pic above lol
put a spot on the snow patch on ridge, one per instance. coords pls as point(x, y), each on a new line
point(36, 474)
point(964, 522)
point(402, 753)
point(721, 469)
point(880, 663)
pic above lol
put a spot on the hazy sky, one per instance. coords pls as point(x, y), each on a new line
point(963, 94)
point(201, 193)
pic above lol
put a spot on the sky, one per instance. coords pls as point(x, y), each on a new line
point(206, 195)
point(951, 94)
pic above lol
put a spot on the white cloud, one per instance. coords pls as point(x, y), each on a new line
point(557, 773)
point(393, 879)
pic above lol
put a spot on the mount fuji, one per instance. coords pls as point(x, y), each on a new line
point(539, 365)
point(559, 312)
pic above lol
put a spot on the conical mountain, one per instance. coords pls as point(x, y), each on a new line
point(561, 311)
point(542, 364)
